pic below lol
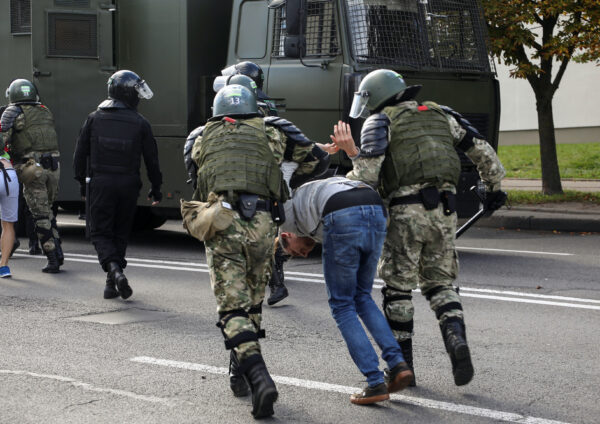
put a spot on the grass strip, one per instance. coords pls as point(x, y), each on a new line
point(578, 161)
point(526, 197)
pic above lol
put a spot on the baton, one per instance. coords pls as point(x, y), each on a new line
point(475, 217)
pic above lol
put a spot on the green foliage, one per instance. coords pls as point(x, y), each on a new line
point(523, 197)
point(522, 31)
point(579, 161)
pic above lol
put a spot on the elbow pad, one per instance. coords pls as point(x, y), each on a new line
point(467, 142)
point(374, 135)
point(293, 134)
point(9, 116)
point(190, 165)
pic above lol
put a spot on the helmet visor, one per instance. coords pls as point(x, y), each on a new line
point(143, 90)
point(230, 70)
point(361, 98)
point(220, 82)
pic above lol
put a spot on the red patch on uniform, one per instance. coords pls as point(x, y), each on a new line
point(422, 108)
point(230, 120)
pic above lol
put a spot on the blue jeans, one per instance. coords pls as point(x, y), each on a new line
point(352, 242)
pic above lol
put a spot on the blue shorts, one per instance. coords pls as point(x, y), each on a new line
point(9, 205)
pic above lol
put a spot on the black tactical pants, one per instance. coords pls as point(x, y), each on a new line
point(113, 200)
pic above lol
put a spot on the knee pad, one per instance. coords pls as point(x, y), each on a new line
point(443, 299)
point(243, 336)
point(398, 309)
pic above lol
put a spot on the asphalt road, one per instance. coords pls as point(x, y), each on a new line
point(532, 303)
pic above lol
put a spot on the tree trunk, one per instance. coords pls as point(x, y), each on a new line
point(550, 173)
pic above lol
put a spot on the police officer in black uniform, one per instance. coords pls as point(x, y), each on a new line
point(114, 138)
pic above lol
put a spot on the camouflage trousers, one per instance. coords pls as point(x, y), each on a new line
point(240, 261)
point(39, 194)
point(419, 253)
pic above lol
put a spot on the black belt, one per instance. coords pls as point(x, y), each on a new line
point(429, 198)
point(406, 200)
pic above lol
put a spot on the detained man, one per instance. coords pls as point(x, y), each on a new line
point(349, 219)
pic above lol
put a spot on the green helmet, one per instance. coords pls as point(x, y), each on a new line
point(239, 79)
point(375, 89)
point(21, 90)
point(234, 100)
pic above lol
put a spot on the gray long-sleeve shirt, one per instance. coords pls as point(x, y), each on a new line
point(303, 212)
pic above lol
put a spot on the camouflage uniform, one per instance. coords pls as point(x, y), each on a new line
point(419, 250)
point(240, 257)
point(40, 190)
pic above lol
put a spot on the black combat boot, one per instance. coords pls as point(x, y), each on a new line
point(278, 289)
point(264, 392)
point(34, 247)
point(115, 273)
point(59, 252)
point(455, 339)
point(52, 267)
point(237, 382)
point(406, 347)
point(110, 290)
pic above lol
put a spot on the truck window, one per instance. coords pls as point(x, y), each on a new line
point(252, 34)
point(321, 30)
point(20, 17)
point(439, 35)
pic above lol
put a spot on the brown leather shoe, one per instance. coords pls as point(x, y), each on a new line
point(399, 377)
point(371, 395)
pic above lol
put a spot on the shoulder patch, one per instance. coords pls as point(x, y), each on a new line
point(9, 116)
point(291, 131)
point(374, 135)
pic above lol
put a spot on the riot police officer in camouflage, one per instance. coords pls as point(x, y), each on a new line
point(113, 140)
point(28, 127)
point(408, 152)
point(237, 156)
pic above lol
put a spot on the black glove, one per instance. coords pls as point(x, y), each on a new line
point(155, 193)
point(493, 201)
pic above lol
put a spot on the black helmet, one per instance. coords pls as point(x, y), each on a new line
point(21, 90)
point(128, 87)
point(235, 100)
point(250, 69)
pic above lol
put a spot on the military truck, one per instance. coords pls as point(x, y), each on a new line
point(313, 53)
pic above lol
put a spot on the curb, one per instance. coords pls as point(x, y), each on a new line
point(544, 221)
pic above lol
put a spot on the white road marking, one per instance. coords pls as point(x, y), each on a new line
point(335, 388)
point(530, 252)
point(89, 387)
point(562, 301)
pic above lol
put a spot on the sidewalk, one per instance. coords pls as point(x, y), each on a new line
point(564, 217)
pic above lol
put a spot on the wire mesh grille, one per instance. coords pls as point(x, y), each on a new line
point(72, 35)
point(419, 34)
point(321, 30)
point(20, 16)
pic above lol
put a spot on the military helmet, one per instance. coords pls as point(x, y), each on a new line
point(128, 87)
point(239, 79)
point(250, 69)
point(375, 89)
point(234, 100)
point(21, 90)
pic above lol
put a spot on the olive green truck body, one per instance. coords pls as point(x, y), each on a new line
point(69, 48)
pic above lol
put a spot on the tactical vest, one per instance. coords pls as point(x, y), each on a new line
point(421, 148)
point(236, 158)
point(116, 142)
point(38, 135)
